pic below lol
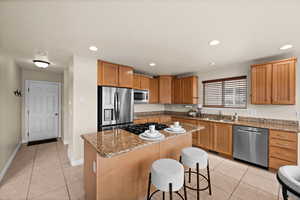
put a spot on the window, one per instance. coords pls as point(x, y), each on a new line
point(225, 93)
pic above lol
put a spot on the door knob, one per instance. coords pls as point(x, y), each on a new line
point(56, 114)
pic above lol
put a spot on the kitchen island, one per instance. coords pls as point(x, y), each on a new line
point(117, 163)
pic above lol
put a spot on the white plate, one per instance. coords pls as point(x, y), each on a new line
point(170, 130)
point(151, 135)
point(152, 139)
point(175, 127)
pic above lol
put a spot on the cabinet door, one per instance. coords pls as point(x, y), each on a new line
point(144, 82)
point(165, 89)
point(284, 76)
point(189, 90)
point(223, 138)
point(165, 119)
point(153, 90)
point(205, 135)
point(136, 81)
point(125, 76)
point(261, 84)
point(176, 91)
point(108, 74)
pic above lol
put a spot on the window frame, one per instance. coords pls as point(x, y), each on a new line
point(223, 96)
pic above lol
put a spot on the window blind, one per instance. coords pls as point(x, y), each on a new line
point(227, 92)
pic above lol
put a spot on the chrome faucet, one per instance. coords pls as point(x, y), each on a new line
point(220, 115)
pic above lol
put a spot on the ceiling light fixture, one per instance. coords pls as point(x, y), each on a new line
point(286, 46)
point(152, 64)
point(212, 63)
point(93, 48)
point(41, 60)
point(214, 42)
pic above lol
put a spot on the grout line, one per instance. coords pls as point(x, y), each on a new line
point(30, 179)
point(65, 179)
point(239, 182)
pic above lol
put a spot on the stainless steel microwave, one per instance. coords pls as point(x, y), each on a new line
point(141, 96)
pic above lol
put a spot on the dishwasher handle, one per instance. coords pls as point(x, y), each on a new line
point(249, 132)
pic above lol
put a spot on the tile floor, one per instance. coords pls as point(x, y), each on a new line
point(42, 172)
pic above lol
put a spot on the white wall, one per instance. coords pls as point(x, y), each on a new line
point(82, 103)
point(287, 112)
point(10, 109)
point(38, 75)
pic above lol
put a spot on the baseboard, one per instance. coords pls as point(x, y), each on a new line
point(76, 162)
point(4, 170)
point(66, 142)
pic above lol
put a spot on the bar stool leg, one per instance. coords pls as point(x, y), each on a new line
point(190, 173)
point(198, 186)
point(184, 189)
point(208, 177)
point(149, 187)
point(163, 195)
point(284, 193)
point(170, 191)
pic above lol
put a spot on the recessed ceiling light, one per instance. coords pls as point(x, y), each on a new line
point(93, 48)
point(286, 46)
point(152, 64)
point(212, 63)
point(214, 42)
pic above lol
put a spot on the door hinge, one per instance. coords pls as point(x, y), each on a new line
point(28, 89)
point(28, 134)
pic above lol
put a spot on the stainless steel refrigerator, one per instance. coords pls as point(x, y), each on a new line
point(115, 107)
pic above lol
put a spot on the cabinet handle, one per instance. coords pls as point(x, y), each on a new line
point(94, 167)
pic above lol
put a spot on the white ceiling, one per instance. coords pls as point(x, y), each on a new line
point(172, 33)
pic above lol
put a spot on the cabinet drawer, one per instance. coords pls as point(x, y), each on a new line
point(275, 163)
point(283, 135)
point(284, 154)
point(283, 144)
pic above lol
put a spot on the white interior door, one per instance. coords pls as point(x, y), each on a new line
point(43, 110)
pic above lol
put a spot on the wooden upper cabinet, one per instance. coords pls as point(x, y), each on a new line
point(176, 91)
point(274, 82)
point(261, 79)
point(165, 89)
point(284, 82)
point(107, 74)
point(125, 76)
point(222, 138)
point(145, 81)
point(136, 81)
point(189, 87)
point(153, 90)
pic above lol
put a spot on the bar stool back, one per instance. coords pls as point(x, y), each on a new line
point(289, 178)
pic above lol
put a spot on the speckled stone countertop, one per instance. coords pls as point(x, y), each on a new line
point(111, 143)
point(268, 125)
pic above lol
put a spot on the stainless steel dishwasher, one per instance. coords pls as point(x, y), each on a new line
point(251, 144)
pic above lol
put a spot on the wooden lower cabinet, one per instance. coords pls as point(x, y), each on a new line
point(205, 138)
point(283, 148)
point(222, 138)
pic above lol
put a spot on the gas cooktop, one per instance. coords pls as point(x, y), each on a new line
point(140, 128)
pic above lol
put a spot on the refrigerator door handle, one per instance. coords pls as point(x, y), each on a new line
point(115, 105)
point(119, 106)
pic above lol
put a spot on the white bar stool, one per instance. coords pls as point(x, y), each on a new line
point(196, 158)
point(289, 178)
point(167, 175)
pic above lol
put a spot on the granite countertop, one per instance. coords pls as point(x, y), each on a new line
point(111, 143)
point(273, 126)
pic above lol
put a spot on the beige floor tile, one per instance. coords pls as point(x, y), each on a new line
point(57, 194)
point(76, 190)
point(44, 181)
point(225, 183)
point(217, 194)
point(73, 174)
point(15, 188)
point(260, 181)
point(232, 169)
point(262, 172)
point(248, 192)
